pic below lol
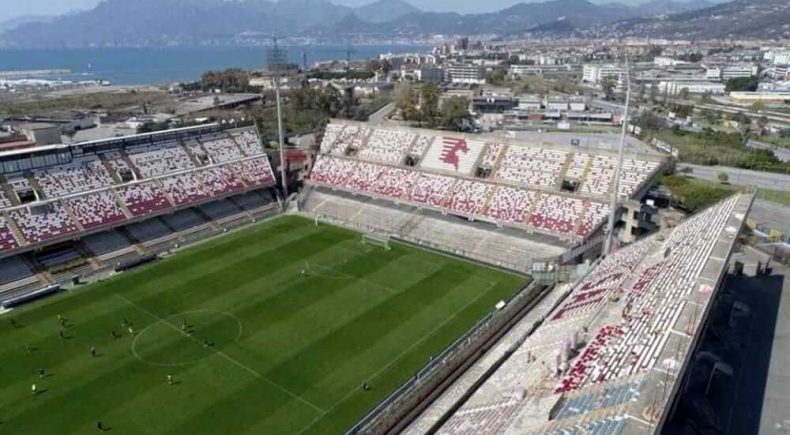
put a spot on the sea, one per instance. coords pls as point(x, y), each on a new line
point(152, 66)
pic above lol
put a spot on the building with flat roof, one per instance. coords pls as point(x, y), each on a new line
point(466, 73)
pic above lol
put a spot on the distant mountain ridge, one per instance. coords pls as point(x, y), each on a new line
point(740, 18)
point(158, 23)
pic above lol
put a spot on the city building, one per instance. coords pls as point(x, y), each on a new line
point(595, 73)
point(739, 70)
point(465, 73)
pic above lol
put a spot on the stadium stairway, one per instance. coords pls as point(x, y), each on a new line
point(130, 164)
point(487, 203)
point(195, 161)
point(165, 192)
point(563, 172)
point(586, 172)
point(528, 213)
point(9, 192)
point(20, 238)
point(115, 178)
point(43, 275)
point(121, 203)
point(87, 254)
point(73, 216)
point(412, 145)
point(499, 159)
point(37, 187)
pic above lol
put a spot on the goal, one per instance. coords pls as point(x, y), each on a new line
point(377, 239)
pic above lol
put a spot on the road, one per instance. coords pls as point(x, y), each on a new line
point(781, 153)
point(382, 114)
point(745, 177)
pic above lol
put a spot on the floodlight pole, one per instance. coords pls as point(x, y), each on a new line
point(281, 132)
point(615, 189)
point(281, 136)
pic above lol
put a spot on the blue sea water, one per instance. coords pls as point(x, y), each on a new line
point(131, 66)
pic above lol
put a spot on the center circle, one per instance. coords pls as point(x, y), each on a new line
point(186, 338)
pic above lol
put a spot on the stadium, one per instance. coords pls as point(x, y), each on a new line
point(159, 283)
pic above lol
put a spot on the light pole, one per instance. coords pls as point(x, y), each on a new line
point(613, 202)
point(276, 63)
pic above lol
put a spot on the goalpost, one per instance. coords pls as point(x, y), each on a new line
point(377, 239)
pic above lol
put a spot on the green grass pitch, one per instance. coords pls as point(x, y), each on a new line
point(288, 352)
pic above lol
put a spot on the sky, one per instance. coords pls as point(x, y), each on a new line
point(15, 8)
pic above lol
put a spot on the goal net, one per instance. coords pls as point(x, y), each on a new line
point(376, 239)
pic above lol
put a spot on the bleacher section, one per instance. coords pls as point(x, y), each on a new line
point(483, 200)
point(43, 222)
point(96, 209)
point(101, 185)
point(81, 175)
point(13, 269)
point(106, 242)
point(159, 159)
point(505, 247)
point(521, 186)
point(183, 220)
point(607, 358)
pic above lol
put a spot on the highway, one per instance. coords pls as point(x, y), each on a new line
point(745, 177)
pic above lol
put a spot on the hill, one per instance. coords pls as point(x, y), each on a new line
point(740, 18)
point(199, 22)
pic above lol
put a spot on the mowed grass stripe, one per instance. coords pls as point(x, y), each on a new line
point(318, 336)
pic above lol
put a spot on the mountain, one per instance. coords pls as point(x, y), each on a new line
point(25, 19)
point(740, 18)
point(385, 10)
point(519, 17)
point(158, 23)
point(670, 7)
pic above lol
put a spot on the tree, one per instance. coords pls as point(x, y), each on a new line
point(711, 116)
point(653, 92)
point(723, 177)
point(429, 104)
point(762, 122)
point(608, 85)
point(455, 113)
point(758, 107)
point(706, 98)
point(742, 84)
point(649, 121)
point(497, 76)
point(684, 93)
point(407, 105)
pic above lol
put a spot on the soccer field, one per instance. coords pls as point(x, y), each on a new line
point(253, 344)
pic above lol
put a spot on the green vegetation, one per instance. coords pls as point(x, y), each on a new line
point(288, 351)
point(777, 196)
point(696, 194)
point(304, 110)
point(742, 84)
point(110, 101)
point(353, 74)
point(452, 115)
point(229, 81)
point(710, 147)
point(780, 141)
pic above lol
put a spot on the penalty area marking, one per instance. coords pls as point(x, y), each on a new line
point(224, 355)
point(345, 276)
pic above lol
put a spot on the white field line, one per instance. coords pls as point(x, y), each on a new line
point(224, 355)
